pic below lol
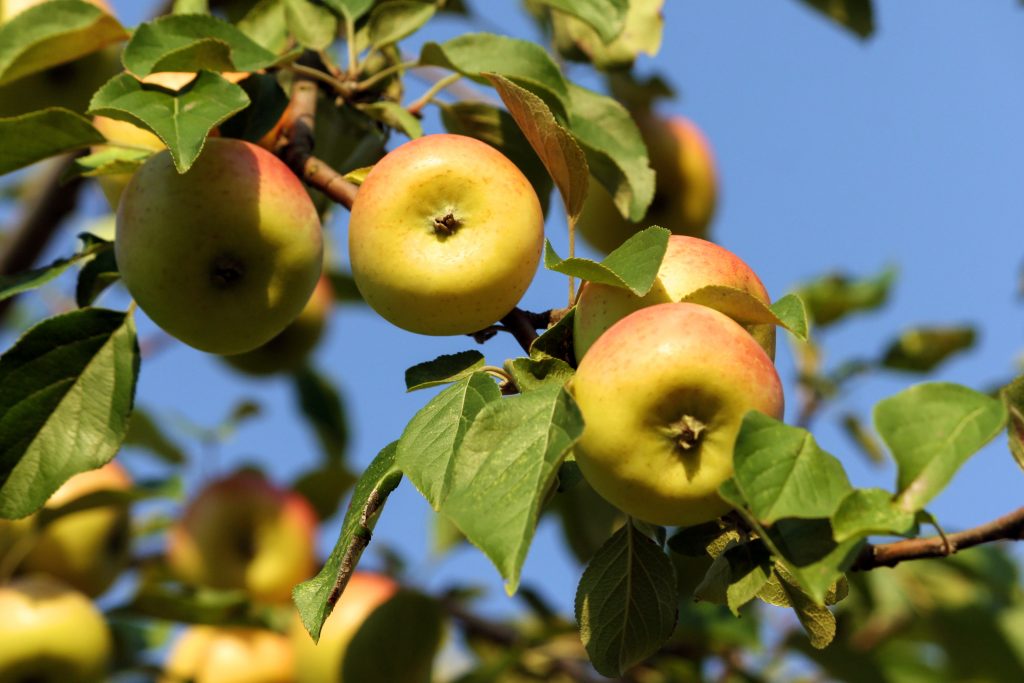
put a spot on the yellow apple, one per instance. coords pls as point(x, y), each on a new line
point(663, 393)
point(205, 654)
point(445, 235)
point(50, 633)
point(244, 532)
point(224, 256)
point(10, 8)
point(289, 350)
point(685, 192)
point(690, 263)
point(123, 134)
point(321, 662)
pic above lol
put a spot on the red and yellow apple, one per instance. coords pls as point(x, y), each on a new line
point(244, 532)
point(223, 256)
point(690, 264)
point(50, 633)
point(207, 654)
point(322, 662)
point(445, 235)
point(686, 187)
point(663, 393)
point(289, 350)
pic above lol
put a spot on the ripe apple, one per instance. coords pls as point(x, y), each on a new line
point(685, 189)
point(50, 633)
point(663, 393)
point(445, 235)
point(223, 256)
point(288, 350)
point(10, 8)
point(206, 654)
point(322, 662)
point(245, 532)
point(123, 134)
point(690, 263)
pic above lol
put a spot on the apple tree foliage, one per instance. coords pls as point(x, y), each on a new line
point(491, 451)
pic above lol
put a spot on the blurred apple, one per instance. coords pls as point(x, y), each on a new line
point(223, 256)
point(87, 549)
point(289, 350)
point(663, 393)
point(685, 192)
point(445, 235)
point(205, 654)
point(321, 662)
point(123, 134)
point(10, 8)
point(50, 633)
point(690, 263)
point(244, 532)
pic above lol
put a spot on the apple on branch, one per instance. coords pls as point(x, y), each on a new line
point(663, 393)
point(445, 235)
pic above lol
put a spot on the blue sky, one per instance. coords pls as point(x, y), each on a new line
point(834, 154)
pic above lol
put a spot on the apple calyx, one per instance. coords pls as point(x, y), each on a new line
point(226, 271)
point(686, 431)
point(446, 225)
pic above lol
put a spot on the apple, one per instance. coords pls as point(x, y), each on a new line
point(224, 256)
point(123, 134)
point(445, 235)
point(690, 263)
point(289, 350)
point(322, 662)
point(10, 8)
point(244, 532)
point(663, 393)
point(685, 191)
point(50, 633)
point(207, 654)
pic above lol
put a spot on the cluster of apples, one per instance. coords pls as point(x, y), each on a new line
point(241, 532)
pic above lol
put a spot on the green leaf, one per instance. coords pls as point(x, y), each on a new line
point(68, 387)
point(554, 145)
point(1013, 396)
point(530, 374)
point(774, 594)
point(523, 62)
point(344, 287)
point(633, 266)
point(556, 341)
point(870, 511)
point(833, 297)
point(314, 26)
point(428, 447)
point(817, 620)
point(931, 430)
point(856, 16)
point(708, 539)
point(606, 17)
point(268, 103)
point(626, 602)
point(53, 33)
point(98, 273)
point(392, 21)
point(736, 576)
point(396, 642)
point(503, 470)
point(782, 472)
point(443, 370)
point(350, 9)
point(33, 137)
point(394, 115)
point(640, 35)
point(588, 520)
point(193, 42)
point(746, 309)
point(109, 160)
point(267, 24)
point(863, 437)
point(11, 285)
point(497, 128)
point(143, 432)
point(792, 313)
point(922, 349)
point(615, 151)
point(191, 7)
point(181, 119)
point(148, 490)
point(325, 487)
point(321, 404)
point(316, 597)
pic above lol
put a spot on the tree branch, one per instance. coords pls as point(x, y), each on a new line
point(1008, 527)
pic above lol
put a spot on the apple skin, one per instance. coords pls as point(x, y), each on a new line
point(322, 662)
point(224, 256)
point(648, 373)
point(51, 633)
point(10, 8)
point(244, 532)
point(288, 351)
point(690, 263)
point(206, 654)
point(685, 192)
point(423, 279)
point(123, 134)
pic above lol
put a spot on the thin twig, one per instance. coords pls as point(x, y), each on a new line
point(431, 93)
point(1008, 527)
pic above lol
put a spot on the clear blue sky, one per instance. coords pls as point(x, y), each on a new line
point(834, 154)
